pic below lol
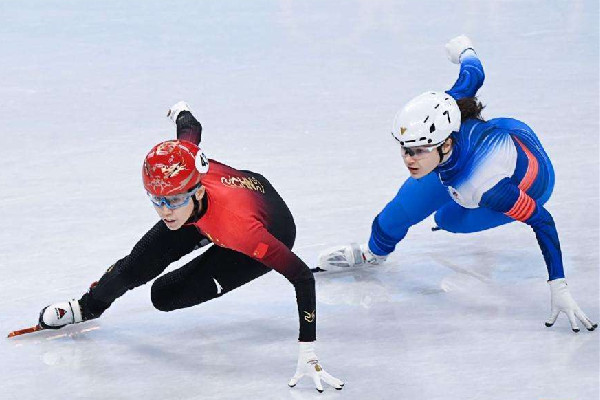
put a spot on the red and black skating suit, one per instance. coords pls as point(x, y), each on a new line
point(242, 210)
point(253, 232)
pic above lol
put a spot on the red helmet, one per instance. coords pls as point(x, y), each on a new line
point(173, 167)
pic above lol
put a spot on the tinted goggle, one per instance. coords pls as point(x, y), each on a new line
point(418, 152)
point(174, 201)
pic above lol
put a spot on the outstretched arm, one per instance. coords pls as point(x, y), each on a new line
point(415, 201)
point(266, 248)
point(151, 255)
point(158, 248)
point(508, 198)
point(261, 245)
point(471, 76)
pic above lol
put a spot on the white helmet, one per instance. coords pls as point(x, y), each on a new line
point(428, 119)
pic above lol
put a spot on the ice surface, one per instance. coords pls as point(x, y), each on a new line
point(303, 92)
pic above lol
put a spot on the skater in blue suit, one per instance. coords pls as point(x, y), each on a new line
point(473, 174)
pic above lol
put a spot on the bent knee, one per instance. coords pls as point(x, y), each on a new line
point(160, 297)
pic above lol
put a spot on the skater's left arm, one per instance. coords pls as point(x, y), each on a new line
point(261, 245)
point(267, 249)
point(508, 198)
point(471, 76)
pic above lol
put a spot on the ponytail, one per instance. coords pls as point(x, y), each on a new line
point(470, 108)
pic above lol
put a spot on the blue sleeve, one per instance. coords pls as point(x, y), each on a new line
point(415, 201)
point(507, 198)
point(470, 78)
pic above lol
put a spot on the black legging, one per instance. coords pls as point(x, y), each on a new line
point(187, 286)
point(194, 283)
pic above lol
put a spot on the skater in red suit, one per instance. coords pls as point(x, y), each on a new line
point(199, 202)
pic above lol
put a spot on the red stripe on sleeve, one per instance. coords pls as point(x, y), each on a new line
point(523, 208)
point(532, 168)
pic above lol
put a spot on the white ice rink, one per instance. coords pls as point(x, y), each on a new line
point(303, 92)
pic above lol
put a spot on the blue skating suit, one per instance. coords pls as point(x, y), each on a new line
point(498, 172)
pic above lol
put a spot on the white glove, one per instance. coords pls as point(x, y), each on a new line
point(57, 315)
point(308, 364)
point(176, 109)
point(350, 255)
point(561, 300)
point(457, 47)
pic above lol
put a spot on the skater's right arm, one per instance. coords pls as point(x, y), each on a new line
point(151, 255)
point(415, 201)
point(188, 127)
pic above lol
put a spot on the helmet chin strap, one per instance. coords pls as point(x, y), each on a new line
point(194, 215)
point(441, 153)
point(197, 212)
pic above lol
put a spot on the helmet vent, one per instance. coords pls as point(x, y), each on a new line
point(436, 106)
point(432, 128)
point(447, 114)
point(426, 119)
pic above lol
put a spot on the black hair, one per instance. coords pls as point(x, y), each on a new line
point(470, 108)
point(194, 215)
point(198, 211)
